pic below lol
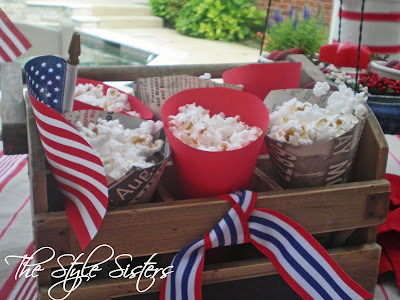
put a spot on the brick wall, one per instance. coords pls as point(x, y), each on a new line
point(284, 5)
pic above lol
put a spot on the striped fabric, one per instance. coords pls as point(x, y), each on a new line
point(22, 288)
point(78, 172)
point(12, 42)
point(298, 257)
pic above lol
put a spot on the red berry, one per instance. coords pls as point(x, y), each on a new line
point(397, 67)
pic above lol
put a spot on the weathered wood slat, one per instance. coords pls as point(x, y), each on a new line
point(118, 73)
point(13, 118)
point(176, 224)
point(372, 152)
point(360, 263)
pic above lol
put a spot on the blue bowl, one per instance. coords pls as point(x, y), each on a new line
point(387, 111)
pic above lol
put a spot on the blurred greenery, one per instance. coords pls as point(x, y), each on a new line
point(308, 34)
point(167, 9)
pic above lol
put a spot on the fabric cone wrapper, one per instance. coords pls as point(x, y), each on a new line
point(260, 79)
point(137, 185)
point(203, 173)
point(135, 103)
point(318, 164)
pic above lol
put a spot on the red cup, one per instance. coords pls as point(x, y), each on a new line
point(204, 173)
point(260, 79)
point(135, 103)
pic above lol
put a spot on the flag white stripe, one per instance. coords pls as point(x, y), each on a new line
point(181, 268)
point(65, 141)
point(91, 228)
point(80, 175)
point(7, 49)
point(83, 162)
point(298, 258)
point(288, 268)
point(314, 253)
point(96, 203)
point(12, 37)
point(192, 276)
point(55, 122)
point(238, 226)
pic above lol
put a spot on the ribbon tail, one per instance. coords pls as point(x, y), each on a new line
point(304, 264)
point(185, 281)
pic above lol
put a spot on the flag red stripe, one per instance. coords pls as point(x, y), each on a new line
point(61, 132)
point(15, 30)
point(94, 190)
point(4, 56)
point(9, 43)
point(49, 112)
point(76, 222)
point(75, 152)
point(96, 218)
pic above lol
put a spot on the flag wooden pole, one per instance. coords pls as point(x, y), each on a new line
point(71, 73)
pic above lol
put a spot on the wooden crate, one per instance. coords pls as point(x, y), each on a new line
point(344, 218)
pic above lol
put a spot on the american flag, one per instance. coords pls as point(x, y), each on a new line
point(297, 256)
point(78, 172)
point(12, 42)
point(45, 80)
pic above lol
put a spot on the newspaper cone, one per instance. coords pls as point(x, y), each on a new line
point(260, 79)
point(135, 103)
point(203, 173)
point(318, 164)
point(137, 185)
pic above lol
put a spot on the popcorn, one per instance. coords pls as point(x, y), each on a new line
point(303, 123)
point(194, 126)
point(321, 88)
point(120, 148)
point(205, 76)
point(112, 101)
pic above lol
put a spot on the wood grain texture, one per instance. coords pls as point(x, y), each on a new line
point(372, 152)
point(360, 263)
point(118, 73)
point(13, 118)
point(168, 227)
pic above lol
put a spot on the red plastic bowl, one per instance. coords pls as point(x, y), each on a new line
point(135, 103)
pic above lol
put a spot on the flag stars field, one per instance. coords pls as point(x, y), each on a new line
point(46, 77)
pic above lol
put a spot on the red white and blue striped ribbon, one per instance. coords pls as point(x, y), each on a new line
point(297, 256)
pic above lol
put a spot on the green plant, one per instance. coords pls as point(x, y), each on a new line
point(226, 20)
point(167, 9)
point(308, 34)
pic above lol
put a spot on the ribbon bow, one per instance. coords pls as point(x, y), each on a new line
point(302, 262)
